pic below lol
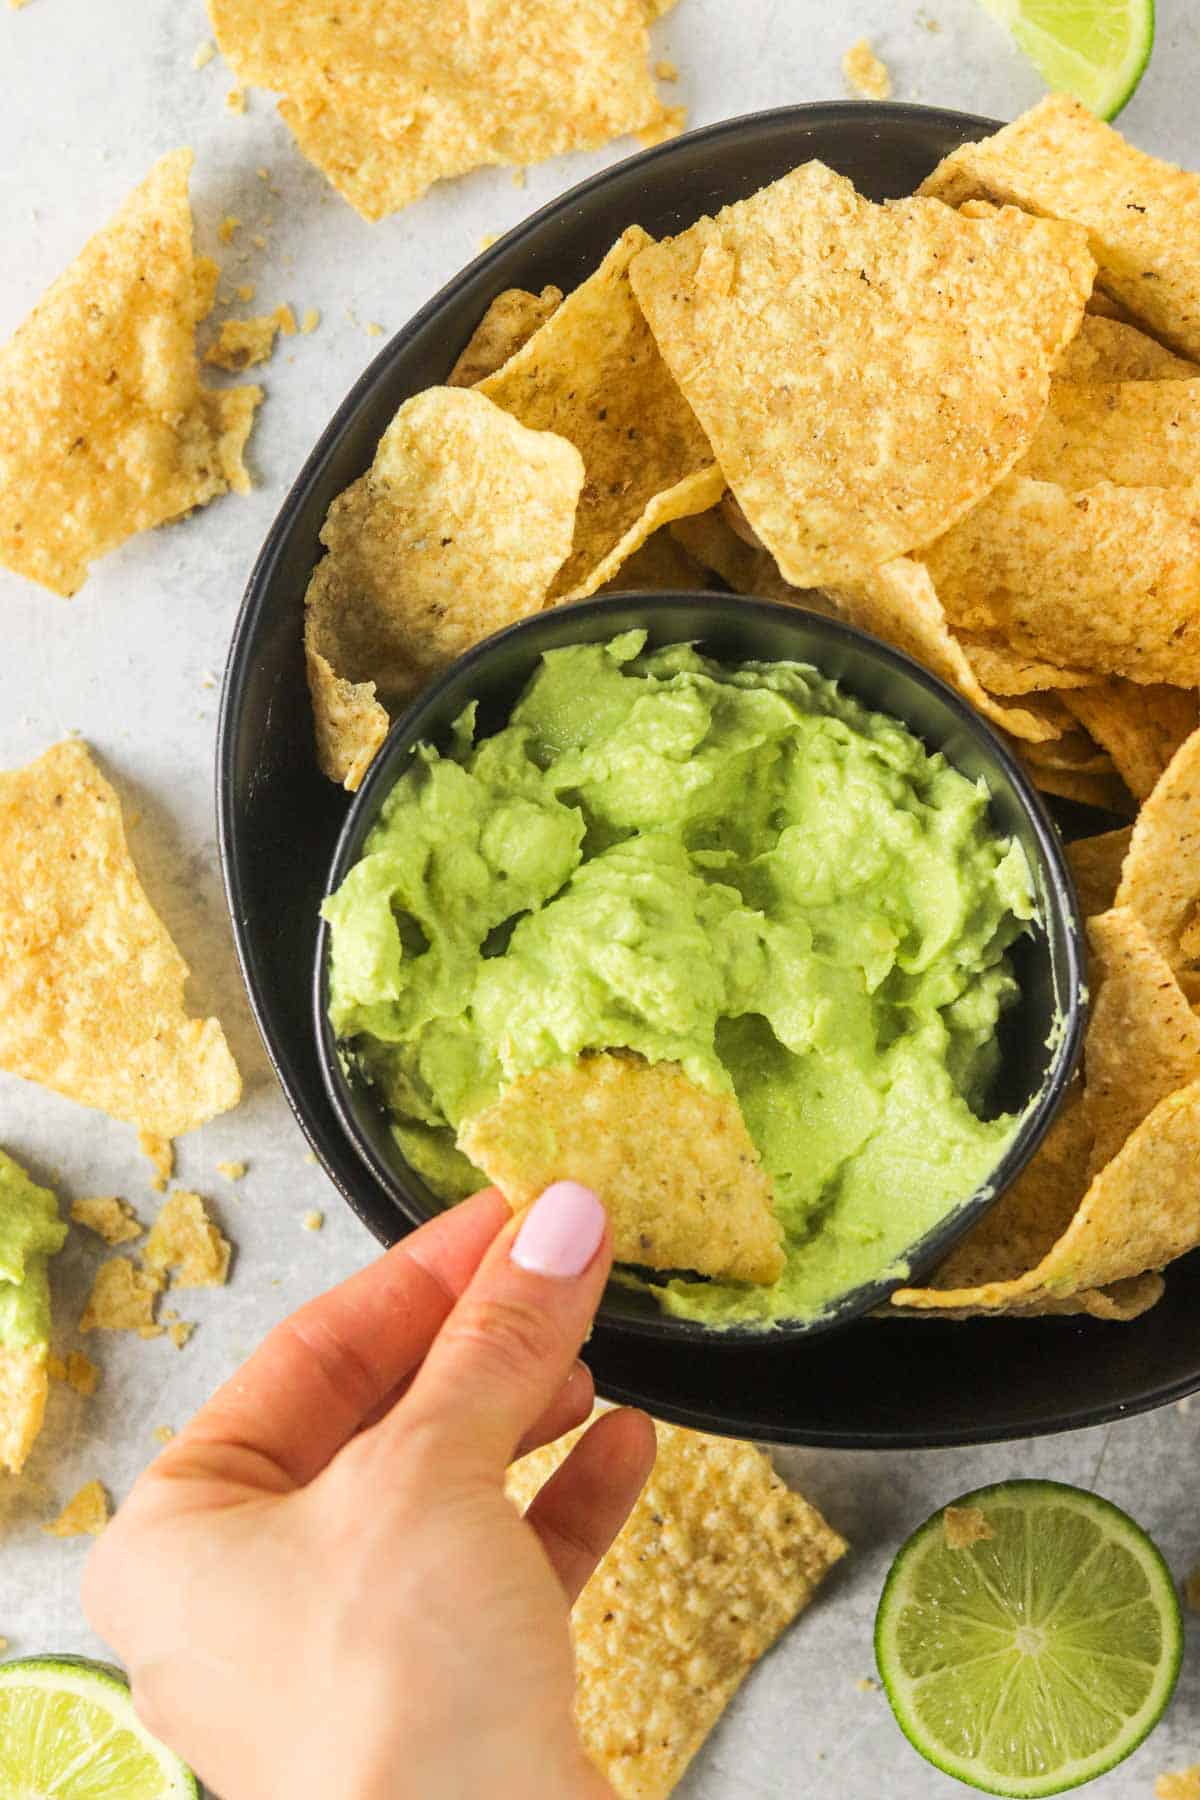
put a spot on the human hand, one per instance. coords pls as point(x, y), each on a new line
point(320, 1589)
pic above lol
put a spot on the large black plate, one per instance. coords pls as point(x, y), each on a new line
point(873, 1384)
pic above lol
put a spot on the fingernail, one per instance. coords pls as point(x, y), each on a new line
point(561, 1232)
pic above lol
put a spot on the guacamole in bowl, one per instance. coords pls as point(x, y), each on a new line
point(735, 866)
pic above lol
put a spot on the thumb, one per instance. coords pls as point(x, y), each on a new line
point(511, 1340)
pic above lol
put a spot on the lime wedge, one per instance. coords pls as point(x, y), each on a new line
point(1037, 1657)
point(1094, 49)
point(68, 1728)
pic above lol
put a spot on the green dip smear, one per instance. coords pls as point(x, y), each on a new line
point(30, 1233)
point(739, 869)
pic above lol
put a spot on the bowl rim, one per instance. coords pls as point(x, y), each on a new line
point(1053, 880)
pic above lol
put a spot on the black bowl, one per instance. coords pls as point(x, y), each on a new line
point(922, 1382)
point(1040, 1036)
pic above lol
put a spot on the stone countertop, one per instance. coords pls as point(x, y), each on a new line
point(94, 91)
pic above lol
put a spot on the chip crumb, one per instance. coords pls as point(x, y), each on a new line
point(232, 1171)
point(373, 328)
point(246, 290)
point(313, 1220)
point(180, 1332)
point(163, 1434)
point(229, 224)
point(112, 1219)
point(964, 1526)
point(259, 241)
point(85, 1515)
point(310, 1157)
point(235, 100)
point(519, 177)
point(665, 69)
point(867, 1685)
point(1178, 1784)
point(242, 342)
point(311, 319)
point(78, 1372)
point(865, 72)
point(488, 239)
point(203, 54)
point(185, 1241)
point(207, 679)
point(122, 1299)
point(161, 1152)
point(668, 124)
point(1191, 1589)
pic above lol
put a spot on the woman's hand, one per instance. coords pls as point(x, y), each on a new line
point(320, 1589)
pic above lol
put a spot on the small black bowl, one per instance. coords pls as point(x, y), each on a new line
point(1040, 1035)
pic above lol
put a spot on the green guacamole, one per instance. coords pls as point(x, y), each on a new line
point(739, 869)
point(30, 1233)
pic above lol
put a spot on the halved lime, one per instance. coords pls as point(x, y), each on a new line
point(1094, 49)
point(68, 1728)
point(1036, 1657)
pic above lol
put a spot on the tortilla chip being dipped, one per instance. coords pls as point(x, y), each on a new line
point(510, 321)
point(922, 342)
point(105, 429)
point(674, 1164)
point(714, 1562)
point(91, 985)
point(456, 530)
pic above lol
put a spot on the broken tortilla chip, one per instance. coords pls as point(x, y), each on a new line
point(928, 336)
point(1104, 792)
point(457, 529)
point(747, 568)
point(1143, 1039)
point(91, 985)
point(106, 430)
point(243, 342)
point(510, 321)
point(1160, 880)
point(593, 374)
point(1140, 726)
point(387, 100)
point(78, 1372)
point(1105, 349)
point(1095, 863)
point(1010, 673)
point(85, 1515)
point(1134, 433)
point(673, 1163)
point(662, 565)
point(1142, 215)
point(122, 1299)
point(714, 1562)
point(1102, 579)
point(112, 1219)
point(964, 1526)
point(184, 1240)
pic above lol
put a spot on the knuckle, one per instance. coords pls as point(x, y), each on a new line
point(515, 1336)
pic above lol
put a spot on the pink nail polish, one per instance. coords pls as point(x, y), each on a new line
point(561, 1232)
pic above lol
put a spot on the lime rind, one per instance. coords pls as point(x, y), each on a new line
point(1094, 49)
point(1088, 1677)
point(97, 1738)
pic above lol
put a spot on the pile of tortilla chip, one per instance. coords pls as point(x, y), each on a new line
point(388, 99)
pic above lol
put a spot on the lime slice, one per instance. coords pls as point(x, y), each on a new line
point(68, 1729)
point(1094, 49)
point(1036, 1658)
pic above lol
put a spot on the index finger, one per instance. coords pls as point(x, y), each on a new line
point(320, 1373)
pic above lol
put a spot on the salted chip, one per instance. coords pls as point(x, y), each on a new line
point(1160, 880)
point(105, 429)
point(746, 567)
point(1140, 726)
point(388, 99)
point(714, 1562)
point(457, 529)
point(122, 1299)
point(1102, 579)
point(865, 72)
point(205, 276)
point(922, 341)
point(112, 1219)
point(24, 1385)
point(1142, 215)
point(1143, 1039)
point(963, 1526)
point(593, 374)
point(1106, 349)
point(85, 1515)
point(1010, 673)
point(510, 321)
point(1095, 863)
point(899, 603)
point(662, 565)
point(1107, 793)
point(184, 1240)
point(91, 985)
point(243, 342)
point(1136, 433)
point(674, 1164)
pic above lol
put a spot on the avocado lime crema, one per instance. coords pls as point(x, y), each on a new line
point(739, 869)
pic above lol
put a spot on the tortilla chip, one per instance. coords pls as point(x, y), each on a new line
point(674, 1164)
point(593, 375)
point(1010, 673)
point(456, 530)
point(1102, 579)
point(205, 276)
point(1161, 877)
point(714, 1562)
point(1136, 433)
point(1143, 1039)
point(510, 321)
point(964, 1526)
point(1106, 793)
point(865, 73)
point(24, 1385)
point(1119, 1303)
point(1107, 350)
point(91, 986)
point(184, 1239)
point(662, 565)
point(112, 1219)
point(1141, 727)
point(107, 430)
point(1142, 215)
point(1095, 863)
point(1073, 749)
point(920, 340)
point(745, 567)
point(387, 100)
point(122, 1299)
point(1101, 305)
point(899, 603)
point(1178, 1784)
point(181, 1330)
point(242, 342)
point(86, 1515)
point(78, 1372)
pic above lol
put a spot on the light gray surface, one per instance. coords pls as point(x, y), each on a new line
point(93, 90)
